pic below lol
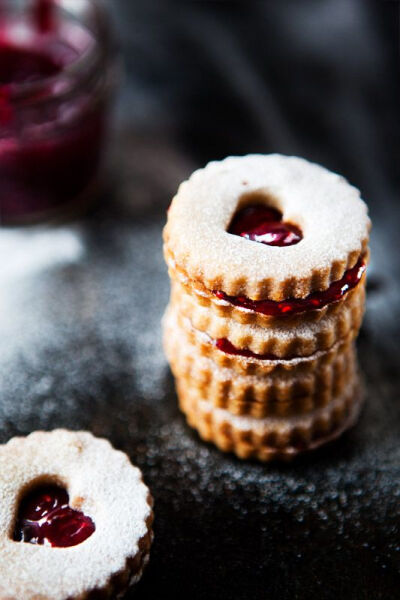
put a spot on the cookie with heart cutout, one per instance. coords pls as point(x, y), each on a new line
point(75, 518)
point(262, 230)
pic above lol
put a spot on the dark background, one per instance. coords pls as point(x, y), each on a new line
point(81, 303)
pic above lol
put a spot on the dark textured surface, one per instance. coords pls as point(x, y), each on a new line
point(82, 350)
point(80, 309)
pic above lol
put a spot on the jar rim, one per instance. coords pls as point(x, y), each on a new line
point(78, 72)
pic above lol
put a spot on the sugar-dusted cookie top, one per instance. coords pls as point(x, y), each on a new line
point(96, 487)
point(321, 227)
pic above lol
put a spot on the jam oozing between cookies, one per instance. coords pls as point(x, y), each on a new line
point(45, 517)
point(226, 346)
point(259, 223)
point(316, 300)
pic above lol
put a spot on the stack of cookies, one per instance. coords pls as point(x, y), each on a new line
point(267, 258)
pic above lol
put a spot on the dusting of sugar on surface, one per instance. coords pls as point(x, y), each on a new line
point(91, 358)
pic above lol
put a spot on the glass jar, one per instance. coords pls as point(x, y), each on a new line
point(57, 72)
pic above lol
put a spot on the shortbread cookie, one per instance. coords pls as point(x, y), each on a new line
point(75, 518)
point(283, 395)
point(284, 339)
point(267, 313)
point(224, 355)
point(318, 234)
point(282, 392)
point(245, 314)
point(273, 437)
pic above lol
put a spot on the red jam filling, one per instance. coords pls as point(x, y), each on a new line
point(293, 306)
point(226, 346)
point(261, 224)
point(45, 517)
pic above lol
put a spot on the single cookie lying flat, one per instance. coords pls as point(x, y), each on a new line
point(75, 518)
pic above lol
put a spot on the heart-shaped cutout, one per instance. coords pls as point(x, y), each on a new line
point(259, 223)
point(45, 517)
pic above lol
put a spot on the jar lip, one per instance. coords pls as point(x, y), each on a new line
point(82, 69)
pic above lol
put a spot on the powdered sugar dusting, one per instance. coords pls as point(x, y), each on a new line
point(265, 525)
point(327, 209)
point(98, 313)
point(29, 251)
point(25, 254)
point(102, 483)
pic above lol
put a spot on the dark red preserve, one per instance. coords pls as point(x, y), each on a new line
point(54, 90)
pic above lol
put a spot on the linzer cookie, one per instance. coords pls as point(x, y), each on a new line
point(295, 390)
point(285, 338)
point(271, 437)
point(194, 344)
point(267, 256)
point(75, 518)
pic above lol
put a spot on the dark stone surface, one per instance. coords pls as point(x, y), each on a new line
point(80, 309)
point(80, 348)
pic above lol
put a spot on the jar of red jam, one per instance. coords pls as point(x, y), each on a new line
point(56, 77)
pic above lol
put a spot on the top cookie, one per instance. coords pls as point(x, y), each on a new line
point(321, 205)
